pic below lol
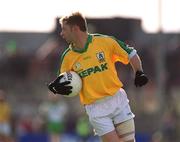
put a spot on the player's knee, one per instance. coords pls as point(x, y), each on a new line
point(126, 131)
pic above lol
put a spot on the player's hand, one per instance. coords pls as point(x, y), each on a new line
point(58, 87)
point(140, 79)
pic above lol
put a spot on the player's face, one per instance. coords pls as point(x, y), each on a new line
point(67, 32)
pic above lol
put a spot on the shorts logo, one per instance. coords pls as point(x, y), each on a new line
point(130, 113)
point(100, 56)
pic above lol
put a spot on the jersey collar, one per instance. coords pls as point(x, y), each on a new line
point(89, 40)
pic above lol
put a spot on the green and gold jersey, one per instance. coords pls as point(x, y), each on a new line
point(95, 63)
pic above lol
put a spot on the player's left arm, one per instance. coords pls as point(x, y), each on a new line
point(140, 77)
point(128, 54)
point(136, 63)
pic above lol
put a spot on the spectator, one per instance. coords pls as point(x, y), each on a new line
point(53, 111)
point(5, 118)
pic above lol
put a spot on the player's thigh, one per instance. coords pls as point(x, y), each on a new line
point(126, 130)
point(111, 137)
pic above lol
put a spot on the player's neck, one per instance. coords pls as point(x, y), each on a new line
point(81, 40)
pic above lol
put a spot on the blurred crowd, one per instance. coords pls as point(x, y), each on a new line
point(26, 106)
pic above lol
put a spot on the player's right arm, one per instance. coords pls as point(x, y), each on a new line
point(58, 87)
point(64, 62)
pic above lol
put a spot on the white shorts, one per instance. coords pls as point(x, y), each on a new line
point(107, 112)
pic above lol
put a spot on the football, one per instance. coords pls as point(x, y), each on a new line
point(75, 82)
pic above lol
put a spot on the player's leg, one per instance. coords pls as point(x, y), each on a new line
point(124, 124)
point(102, 113)
point(126, 130)
point(105, 129)
point(111, 137)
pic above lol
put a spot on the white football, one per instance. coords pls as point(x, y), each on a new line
point(75, 82)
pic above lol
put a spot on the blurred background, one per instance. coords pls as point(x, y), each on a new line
point(30, 50)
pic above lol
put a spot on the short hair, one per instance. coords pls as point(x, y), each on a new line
point(75, 19)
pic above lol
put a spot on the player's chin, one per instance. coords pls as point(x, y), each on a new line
point(68, 41)
point(65, 39)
